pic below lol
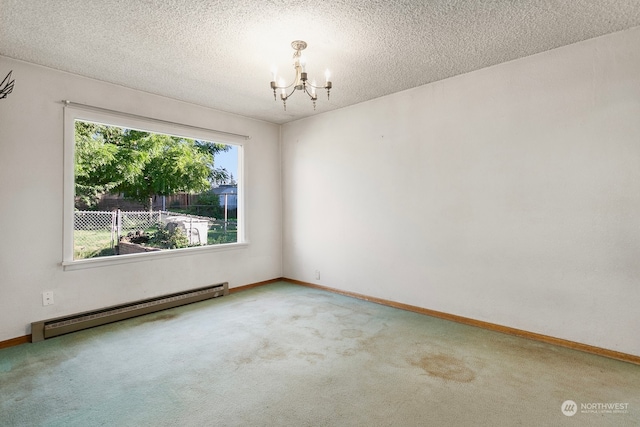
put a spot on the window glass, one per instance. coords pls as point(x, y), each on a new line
point(141, 191)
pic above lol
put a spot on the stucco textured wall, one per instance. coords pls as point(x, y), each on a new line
point(509, 195)
point(31, 203)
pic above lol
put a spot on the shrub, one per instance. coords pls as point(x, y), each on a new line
point(169, 236)
point(208, 205)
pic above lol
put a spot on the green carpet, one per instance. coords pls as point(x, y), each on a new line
point(287, 355)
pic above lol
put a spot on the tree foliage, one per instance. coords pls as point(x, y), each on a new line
point(141, 164)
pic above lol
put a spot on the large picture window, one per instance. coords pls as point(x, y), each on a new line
point(139, 188)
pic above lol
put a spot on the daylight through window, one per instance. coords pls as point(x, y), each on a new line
point(138, 191)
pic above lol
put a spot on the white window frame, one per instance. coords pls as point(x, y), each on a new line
point(73, 113)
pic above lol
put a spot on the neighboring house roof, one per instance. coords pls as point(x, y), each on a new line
point(231, 193)
point(225, 189)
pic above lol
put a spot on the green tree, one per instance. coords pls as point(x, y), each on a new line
point(217, 175)
point(140, 164)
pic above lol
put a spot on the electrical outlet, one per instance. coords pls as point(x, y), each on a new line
point(317, 275)
point(47, 298)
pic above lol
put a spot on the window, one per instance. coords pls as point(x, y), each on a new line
point(137, 187)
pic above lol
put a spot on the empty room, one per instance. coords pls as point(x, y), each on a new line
point(347, 213)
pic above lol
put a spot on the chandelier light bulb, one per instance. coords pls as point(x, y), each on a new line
point(283, 86)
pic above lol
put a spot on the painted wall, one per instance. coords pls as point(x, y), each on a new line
point(509, 195)
point(31, 209)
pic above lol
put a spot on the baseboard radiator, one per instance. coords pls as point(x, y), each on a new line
point(63, 325)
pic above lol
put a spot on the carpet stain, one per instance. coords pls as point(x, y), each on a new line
point(160, 317)
point(270, 352)
point(378, 343)
point(348, 352)
point(351, 333)
point(532, 350)
point(317, 333)
point(311, 356)
point(266, 350)
point(23, 372)
point(446, 367)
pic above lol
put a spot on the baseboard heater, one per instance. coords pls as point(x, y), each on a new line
point(63, 325)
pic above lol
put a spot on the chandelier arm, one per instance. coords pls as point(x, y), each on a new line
point(275, 86)
point(313, 98)
point(290, 93)
point(327, 86)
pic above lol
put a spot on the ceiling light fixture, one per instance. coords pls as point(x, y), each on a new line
point(301, 81)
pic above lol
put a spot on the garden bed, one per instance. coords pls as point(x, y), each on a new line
point(125, 248)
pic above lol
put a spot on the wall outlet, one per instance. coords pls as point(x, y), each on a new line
point(47, 298)
point(317, 274)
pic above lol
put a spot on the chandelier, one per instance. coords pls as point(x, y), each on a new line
point(301, 81)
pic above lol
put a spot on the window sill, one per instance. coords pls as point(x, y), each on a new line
point(149, 256)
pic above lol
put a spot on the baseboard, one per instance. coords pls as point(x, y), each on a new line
point(255, 285)
point(630, 358)
point(15, 341)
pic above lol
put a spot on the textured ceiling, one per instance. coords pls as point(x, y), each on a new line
point(219, 53)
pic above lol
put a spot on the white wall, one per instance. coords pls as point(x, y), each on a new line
point(509, 195)
point(31, 209)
